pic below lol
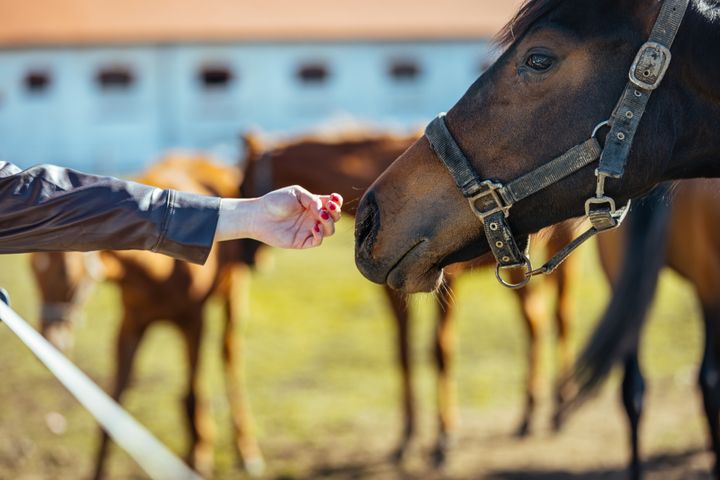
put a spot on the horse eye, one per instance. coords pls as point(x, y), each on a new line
point(539, 62)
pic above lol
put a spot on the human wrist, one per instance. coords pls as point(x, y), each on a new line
point(236, 219)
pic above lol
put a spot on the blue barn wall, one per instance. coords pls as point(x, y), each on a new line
point(73, 120)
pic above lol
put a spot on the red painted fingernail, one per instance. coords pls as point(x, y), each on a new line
point(324, 215)
point(335, 198)
point(332, 206)
point(317, 228)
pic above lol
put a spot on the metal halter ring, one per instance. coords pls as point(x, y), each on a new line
point(526, 276)
point(597, 128)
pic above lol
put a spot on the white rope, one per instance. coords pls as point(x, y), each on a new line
point(152, 456)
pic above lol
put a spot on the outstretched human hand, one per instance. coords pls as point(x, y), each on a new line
point(290, 217)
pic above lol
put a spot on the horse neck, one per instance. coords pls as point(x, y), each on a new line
point(697, 98)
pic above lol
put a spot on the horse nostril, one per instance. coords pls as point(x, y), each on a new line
point(367, 223)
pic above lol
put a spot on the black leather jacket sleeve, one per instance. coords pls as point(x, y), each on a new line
point(49, 208)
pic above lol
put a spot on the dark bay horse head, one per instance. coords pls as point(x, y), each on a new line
point(564, 67)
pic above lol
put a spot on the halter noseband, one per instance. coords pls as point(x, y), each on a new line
point(491, 201)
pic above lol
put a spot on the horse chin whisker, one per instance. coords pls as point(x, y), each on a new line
point(448, 289)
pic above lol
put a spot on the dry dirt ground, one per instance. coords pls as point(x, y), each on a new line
point(592, 446)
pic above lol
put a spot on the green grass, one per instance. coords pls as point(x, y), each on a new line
point(320, 361)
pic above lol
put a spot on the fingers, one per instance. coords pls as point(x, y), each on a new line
point(328, 213)
point(315, 240)
point(325, 210)
point(333, 204)
point(325, 227)
point(327, 222)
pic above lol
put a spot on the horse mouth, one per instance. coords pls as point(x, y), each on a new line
point(403, 274)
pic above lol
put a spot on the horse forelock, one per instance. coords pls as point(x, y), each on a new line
point(529, 13)
point(532, 11)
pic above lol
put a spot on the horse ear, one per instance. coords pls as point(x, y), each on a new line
point(252, 146)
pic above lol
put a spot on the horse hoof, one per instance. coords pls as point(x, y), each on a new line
point(558, 422)
point(438, 457)
point(201, 460)
point(523, 430)
point(398, 455)
point(254, 467)
point(204, 468)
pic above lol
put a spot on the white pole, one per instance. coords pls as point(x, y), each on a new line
point(154, 457)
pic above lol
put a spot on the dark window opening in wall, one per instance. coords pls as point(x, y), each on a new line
point(115, 78)
point(405, 70)
point(216, 77)
point(37, 81)
point(313, 73)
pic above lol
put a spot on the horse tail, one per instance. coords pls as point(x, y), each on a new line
point(618, 331)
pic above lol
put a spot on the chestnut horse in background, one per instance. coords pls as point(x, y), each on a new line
point(348, 166)
point(154, 287)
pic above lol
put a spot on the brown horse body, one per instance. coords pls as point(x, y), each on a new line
point(692, 249)
point(348, 166)
point(154, 287)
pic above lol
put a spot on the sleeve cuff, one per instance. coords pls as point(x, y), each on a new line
point(189, 227)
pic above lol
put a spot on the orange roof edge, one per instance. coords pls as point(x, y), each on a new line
point(27, 23)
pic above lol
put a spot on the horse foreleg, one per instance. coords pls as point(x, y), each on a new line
point(236, 303)
point(444, 350)
point(532, 309)
point(128, 339)
point(200, 455)
point(709, 384)
point(633, 395)
point(563, 316)
point(400, 312)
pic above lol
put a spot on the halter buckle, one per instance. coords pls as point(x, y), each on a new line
point(489, 201)
point(595, 201)
point(527, 274)
point(650, 66)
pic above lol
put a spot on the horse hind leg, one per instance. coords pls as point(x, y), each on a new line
point(709, 380)
point(127, 342)
point(633, 395)
point(444, 350)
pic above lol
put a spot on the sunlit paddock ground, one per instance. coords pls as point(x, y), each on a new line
point(322, 380)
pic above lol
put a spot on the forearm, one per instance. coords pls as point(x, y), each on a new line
point(50, 208)
point(237, 219)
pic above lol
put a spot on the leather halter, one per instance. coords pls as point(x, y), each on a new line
point(491, 201)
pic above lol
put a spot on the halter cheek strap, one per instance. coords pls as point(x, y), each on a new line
point(646, 73)
point(491, 201)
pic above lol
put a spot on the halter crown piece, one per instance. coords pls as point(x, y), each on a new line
point(491, 201)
